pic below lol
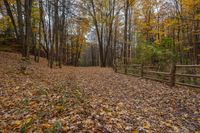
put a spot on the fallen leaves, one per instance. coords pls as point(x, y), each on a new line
point(90, 99)
point(45, 126)
point(17, 124)
point(135, 131)
point(146, 125)
point(60, 108)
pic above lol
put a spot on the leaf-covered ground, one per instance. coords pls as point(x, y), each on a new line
point(91, 100)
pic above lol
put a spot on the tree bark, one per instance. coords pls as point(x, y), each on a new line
point(21, 26)
point(28, 42)
point(125, 33)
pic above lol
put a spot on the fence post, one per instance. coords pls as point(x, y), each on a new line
point(142, 70)
point(125, 70)
point(173, 74)
point(115, 67)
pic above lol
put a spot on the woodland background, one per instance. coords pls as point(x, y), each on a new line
point(103, 32)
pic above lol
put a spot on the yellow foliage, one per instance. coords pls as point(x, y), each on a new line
point(157, 41)
point(17, 124)
point(5, 23)
point(29, 120)
point(135, 131)
point(59, 108)
point(146, 125)
point(12, 1)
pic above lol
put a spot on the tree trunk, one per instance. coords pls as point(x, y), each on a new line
point(28, 43)
point(125, 33)
point(21, 26)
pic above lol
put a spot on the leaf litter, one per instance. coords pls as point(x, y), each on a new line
point(93, 99)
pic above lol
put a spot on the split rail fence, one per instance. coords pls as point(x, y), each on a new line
point(172, 77)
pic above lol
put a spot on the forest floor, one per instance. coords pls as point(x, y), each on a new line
point(92, 100)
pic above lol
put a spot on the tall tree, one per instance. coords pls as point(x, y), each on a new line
point(28, 27)
point(21, 26)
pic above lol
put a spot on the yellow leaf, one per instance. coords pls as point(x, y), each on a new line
point(18, 123)
point(135, 131)
point(29, 120)
point(60, 108)
point(146, 125)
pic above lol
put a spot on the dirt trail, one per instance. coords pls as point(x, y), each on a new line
point(90, 100)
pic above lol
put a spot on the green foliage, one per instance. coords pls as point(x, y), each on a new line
point(144, 53)
point(150, 53)
point(166, 43)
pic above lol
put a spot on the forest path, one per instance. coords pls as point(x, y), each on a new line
point(143, 104)
point(75, 99)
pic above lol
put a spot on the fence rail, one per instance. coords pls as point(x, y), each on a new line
point(169, 77)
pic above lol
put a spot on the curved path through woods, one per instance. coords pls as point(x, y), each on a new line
point(91, 99)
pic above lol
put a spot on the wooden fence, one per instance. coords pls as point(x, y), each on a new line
point(170, 77)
